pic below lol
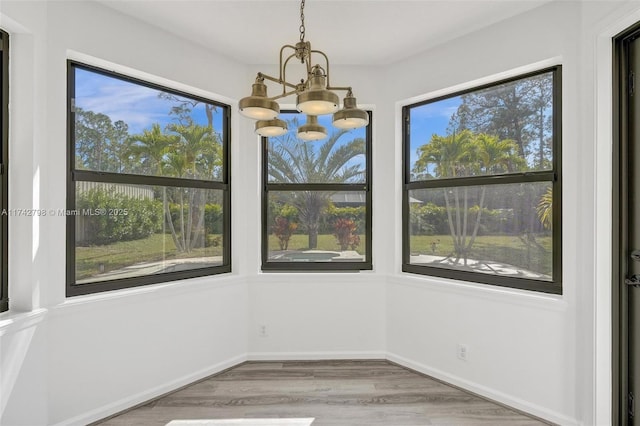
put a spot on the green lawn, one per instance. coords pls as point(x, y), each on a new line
point(505, 249)
point(325, 242)
point(118, 255)
point(509, 249)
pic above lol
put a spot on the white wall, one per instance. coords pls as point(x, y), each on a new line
point(315, 315)
point(330, 317)
point(527, 350)
point(73, 361)
point(23, 331)
point(105, 355)
point(91, 356)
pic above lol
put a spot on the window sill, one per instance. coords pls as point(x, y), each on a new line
point(15, 321)
point(161, 290)
point(551, 302)
point(279, 276)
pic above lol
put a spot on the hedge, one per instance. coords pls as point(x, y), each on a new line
point(108, 216)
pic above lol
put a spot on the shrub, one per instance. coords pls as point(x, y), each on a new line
point(428, 219)
point(289, 212)
point(283, 229)
point(344, 231)
point(333, 213)
point(106, 216)
point(213, 218)
point(213, 241)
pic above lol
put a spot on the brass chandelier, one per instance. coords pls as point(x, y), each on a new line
point(315, 96)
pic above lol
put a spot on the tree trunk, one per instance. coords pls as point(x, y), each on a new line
point(184, 244)
point(189, 228)
point(167, 213)
point(541, 135)
point(209, 109)
point(477, 225)
point(201, 232)
point(313, 236)
point(459, 246)
point(450, 217)
point(463, 243)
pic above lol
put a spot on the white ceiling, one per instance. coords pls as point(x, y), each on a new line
point(356, 32)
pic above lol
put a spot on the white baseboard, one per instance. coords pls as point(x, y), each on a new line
point(311, 356)
point(486, 392)
point(142, 397)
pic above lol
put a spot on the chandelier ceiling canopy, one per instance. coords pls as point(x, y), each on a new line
point(314, 95)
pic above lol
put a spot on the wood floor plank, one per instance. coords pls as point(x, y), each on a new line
point(344, 393)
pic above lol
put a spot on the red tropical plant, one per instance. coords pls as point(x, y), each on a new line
point(344, 231)
point(283, 229)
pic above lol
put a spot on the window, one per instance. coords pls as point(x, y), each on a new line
point(316, 203)
point(148, 197)
point(482, 188)
point(4, 187)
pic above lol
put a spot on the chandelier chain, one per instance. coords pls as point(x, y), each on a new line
point(302, 28)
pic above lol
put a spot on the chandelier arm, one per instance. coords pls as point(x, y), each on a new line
point(326, 59)
point(281, 52)
point(283, 95)
point(307, 60)
point(283, 73)
point(345, 89)
point(277, 80)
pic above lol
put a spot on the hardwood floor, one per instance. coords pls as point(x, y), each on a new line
point(335, 393)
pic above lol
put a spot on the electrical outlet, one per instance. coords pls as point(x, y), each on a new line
point(463, 351)
point(262, 330)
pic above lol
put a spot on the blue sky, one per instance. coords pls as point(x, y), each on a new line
point(138, 106)
point(429, 119)
point(326, 121)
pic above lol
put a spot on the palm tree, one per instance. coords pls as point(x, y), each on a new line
point(151, 147)
point(196, 156)
point(198, 146)
point(156, 151)
point(294, 161)
point(545, 208)
point(192, 151)
point(461, 155)
point(451, 156)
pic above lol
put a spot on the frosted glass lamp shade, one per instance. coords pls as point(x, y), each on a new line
point(268, 128)
point(312, 131)
point(318, 102)
point(258, 106)
point(350, 117)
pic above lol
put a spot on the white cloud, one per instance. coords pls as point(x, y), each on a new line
point(442, 109)
point(138, 106)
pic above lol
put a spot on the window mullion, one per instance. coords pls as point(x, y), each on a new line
point(357, 187)
point(543, 176)
point(92, 176)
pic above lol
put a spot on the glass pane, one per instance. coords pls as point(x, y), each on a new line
point(125, 231)
point(498, 229)
point(316, 226)
point(339, 158)
point(501, 129)
point(124, 127)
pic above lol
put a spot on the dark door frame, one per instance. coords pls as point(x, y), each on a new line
point(619, 291)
